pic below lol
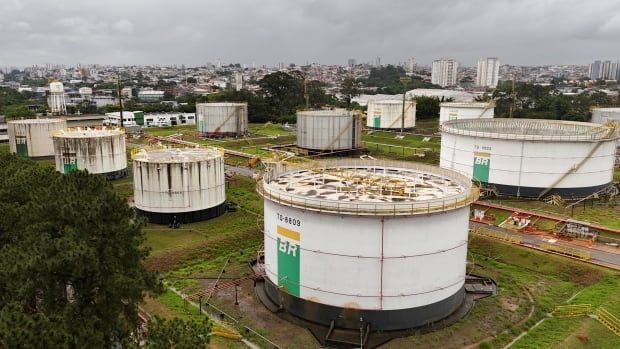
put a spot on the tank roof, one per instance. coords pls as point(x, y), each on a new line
point(357, 187)
point(530, 129)
point(390, 101)
point(222, 104)
point(480, 105)
point(88, 132)
point(36, 121)
point(177, 155)
point(324, 113)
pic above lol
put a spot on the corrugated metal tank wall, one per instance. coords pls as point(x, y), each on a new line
point(102, 152)
point(328, 130)
point(222, 118)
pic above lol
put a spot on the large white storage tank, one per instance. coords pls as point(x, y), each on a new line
point(387, 114)
point(97, 150)
point(222, 119)
point(33, 137)
point(358, 242)
point(531, 158)
point(182, 184)
point(465, 110)
point(328, 130)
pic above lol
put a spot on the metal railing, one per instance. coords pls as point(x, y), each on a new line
point(530, 129)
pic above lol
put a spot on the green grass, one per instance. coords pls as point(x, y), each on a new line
point(577, 332)
point(161, 238)
point(170, 130)
point(269, 129)
point(175, 305)
point(411, 141)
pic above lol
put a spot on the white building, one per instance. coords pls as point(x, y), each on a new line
point(488, 72)
point(444, 72)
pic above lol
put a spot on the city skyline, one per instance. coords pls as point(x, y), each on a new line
point(325, 32)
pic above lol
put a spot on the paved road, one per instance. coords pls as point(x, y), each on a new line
point(608, 258)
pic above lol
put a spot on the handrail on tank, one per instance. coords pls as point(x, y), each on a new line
point(500, 128)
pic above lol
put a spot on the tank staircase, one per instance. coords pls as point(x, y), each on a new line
point(347, 338)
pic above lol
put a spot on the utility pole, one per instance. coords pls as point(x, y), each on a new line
point(403, 80)
point(513, 94)
point(306, 95)
point(120, 97)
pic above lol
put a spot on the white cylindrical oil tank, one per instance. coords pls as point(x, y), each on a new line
point(388, 114)
point(179, 184)
point(97, 150)
point(328, 130)
point(531, 158)
point(465, 110)
point(366, 242)
point(222, 119)
point(33, 137)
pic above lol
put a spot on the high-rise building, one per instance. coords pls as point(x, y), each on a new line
point(351, 62)
point(595, 70)
point(606, 70)
point(411, 64)
point(444, 72)
point(378, 62)
point(488, 72)
point(238, 81)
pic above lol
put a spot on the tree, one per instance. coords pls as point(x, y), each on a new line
point(17, 111)
point(71, 271)
point(283, 92)
point(191, 80)
point(349, 88)
point(177, 333)
point(427, 107)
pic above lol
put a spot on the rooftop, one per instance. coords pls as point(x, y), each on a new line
point(530, 129)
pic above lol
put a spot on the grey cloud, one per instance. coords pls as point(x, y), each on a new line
point(324, 31)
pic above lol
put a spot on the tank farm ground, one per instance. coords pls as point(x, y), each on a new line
point(531, 283)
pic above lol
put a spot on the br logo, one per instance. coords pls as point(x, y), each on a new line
point(481, 161)
point(287, 247)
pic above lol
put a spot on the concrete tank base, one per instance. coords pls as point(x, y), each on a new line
point(348, 318)
point(533, 192)
point(183, 217)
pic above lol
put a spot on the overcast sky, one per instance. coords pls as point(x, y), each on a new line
point(527, 32)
